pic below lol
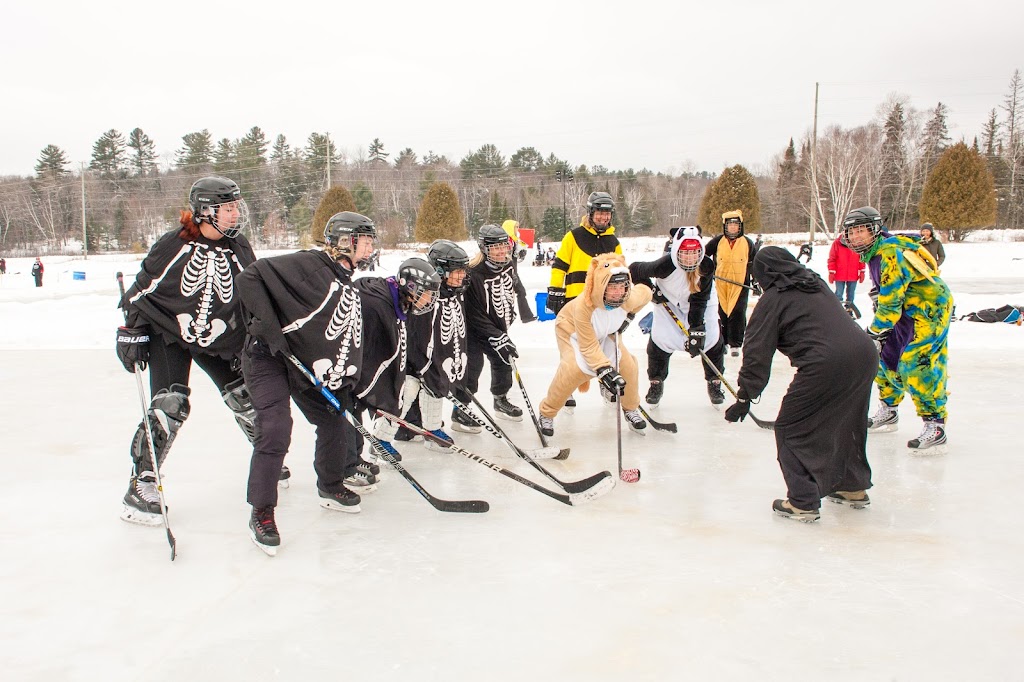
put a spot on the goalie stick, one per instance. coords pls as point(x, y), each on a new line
point(465, 506)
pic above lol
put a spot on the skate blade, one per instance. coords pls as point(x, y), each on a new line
point(888, 428)
point(284, 483)
point(640, 432)
point(568, 410)
point(928, 452)
point(141, 518)
point(507, 417)
point(360, 489)
point(335, 506)
point(435, 447)
point(456, 426)
point(269, 550)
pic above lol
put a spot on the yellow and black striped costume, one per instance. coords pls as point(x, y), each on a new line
point(575, 252)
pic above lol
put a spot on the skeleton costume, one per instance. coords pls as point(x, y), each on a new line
point(303, 304)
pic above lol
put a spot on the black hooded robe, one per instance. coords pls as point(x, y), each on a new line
point(821, 430)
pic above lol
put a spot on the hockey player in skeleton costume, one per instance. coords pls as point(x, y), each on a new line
point(304, 304)
point(437, 344)
point(684, 279)
point(184, 299)
point(490, 311)
point(587, 330)
point(388, 303)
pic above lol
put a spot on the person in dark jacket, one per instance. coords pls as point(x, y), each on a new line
point(37, 272)
point(821, 430)
point(304, 304)
point(932, 243)
point(184, 308)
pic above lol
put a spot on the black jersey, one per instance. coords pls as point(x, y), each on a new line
point(437, 343)
point(491, 300)
point(304, 303)
point(385, 352)
point(185, 292)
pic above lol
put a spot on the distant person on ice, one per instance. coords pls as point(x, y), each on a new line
point(821, 430)
point(37, 272)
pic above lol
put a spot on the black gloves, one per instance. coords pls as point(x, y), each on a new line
point(556, 299)
point(611, 380)
point(133, 347)
point(737, 412)
point(695, 340)
point(504, 347)
point(625, 323)
point(879, 338)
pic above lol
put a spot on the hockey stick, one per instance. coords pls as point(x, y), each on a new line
point(529, 405)
point(570, 486)
point(571, 499)
point(732, 281)
point(549, 452)
point(627, 475)
point(658, 426)
point(149, 437)
point(770, 426)
point(467, 506)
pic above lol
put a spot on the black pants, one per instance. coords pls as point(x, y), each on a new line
point(802, 488)
point(734, 327)
point(657, 361)
point(266, 377)
point(501, 374)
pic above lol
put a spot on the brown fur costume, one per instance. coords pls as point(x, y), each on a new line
point(577, 317)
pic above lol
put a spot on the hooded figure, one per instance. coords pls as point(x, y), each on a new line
point(685, 281)
point(821, 431)
point(586, 330)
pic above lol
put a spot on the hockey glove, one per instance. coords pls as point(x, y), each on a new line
point(611, 380)
point(756, 288)
point(625, 323)
point(831, 276)
point(133, 347)
point(695, 341)
point(737, 412)
point(556, 299)
point(504, 347)
point(879, 338)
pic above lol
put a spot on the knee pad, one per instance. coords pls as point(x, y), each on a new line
point(167, 412)
point(236, 397)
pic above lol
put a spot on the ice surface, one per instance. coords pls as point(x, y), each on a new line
point(684, 575)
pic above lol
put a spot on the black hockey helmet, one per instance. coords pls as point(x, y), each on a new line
point(599, 201)
point(417, 277)
point(732, 218)
point(490, 236)
point(206, 197)
point(343, 231)
point(864, 216)
point(620, 277)
point(447, 257)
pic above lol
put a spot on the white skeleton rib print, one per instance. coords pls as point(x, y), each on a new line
point(346, 323)
point(453, 334)
point(501, 296)
point(207, 273)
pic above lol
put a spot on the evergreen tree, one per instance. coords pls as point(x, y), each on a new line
point(252, 149)
point(960, 193)
point(197, 150)
point(893, 163)
point(335, 200)
point(486, 162)
point(363, 197)
point(735, 189)
point(551, 224)
point(526, 159)
point(281, 151)
point(319, 150)
point(143, 159)
point(52, 163)
point(225, 160)
point(936, 137)
point(789, 191)
point(109, 154)
point(377, 153)
point(440, 215)
point(406, 158)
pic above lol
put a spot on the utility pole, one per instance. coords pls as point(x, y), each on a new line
point(327, 136)
point(563, 177)
point(814, 168)
point(85, 236)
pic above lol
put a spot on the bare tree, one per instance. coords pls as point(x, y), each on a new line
point(840, 157)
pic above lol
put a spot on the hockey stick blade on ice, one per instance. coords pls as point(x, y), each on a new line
point(572, 499)
point(533, 415)
point(658, 426)
point(149, 437)
point(549, 452)
point(461, 506)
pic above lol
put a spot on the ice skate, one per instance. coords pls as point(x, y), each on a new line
point(885, 420)
point(785, 509)
point(390, 449)
point(506, 410)
point(547, 426)
point(635, 421)
point(570, 405)
point(263, 530)
point(431, 444)
point(463, 422)
point(715, 393)
point(857, 499)
point(363, 477)
point(142, 502)
point(655, 392)
point(932, 440)
point(344, 501)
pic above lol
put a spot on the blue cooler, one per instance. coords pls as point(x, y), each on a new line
point(542, 307)
point(78, 274)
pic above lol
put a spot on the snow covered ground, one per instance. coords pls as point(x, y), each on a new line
point(684, 575)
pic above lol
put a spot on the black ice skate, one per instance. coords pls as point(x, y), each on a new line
point(547, 426)
point(570, 405)
point(142, 502)
point(636, 422)
point(886, 419)
point(932, 440)
point(344, 501)
point(263, 530)
point(715, 392)
point(363, 477)
point(506, 410)
point(283, 478)
point(655, 392)
point(463, 422)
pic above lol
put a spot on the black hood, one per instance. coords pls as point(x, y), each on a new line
point(777, 267)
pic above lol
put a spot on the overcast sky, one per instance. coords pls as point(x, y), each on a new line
point(661, 85)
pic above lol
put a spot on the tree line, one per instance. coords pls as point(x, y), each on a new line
point(128, 198)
